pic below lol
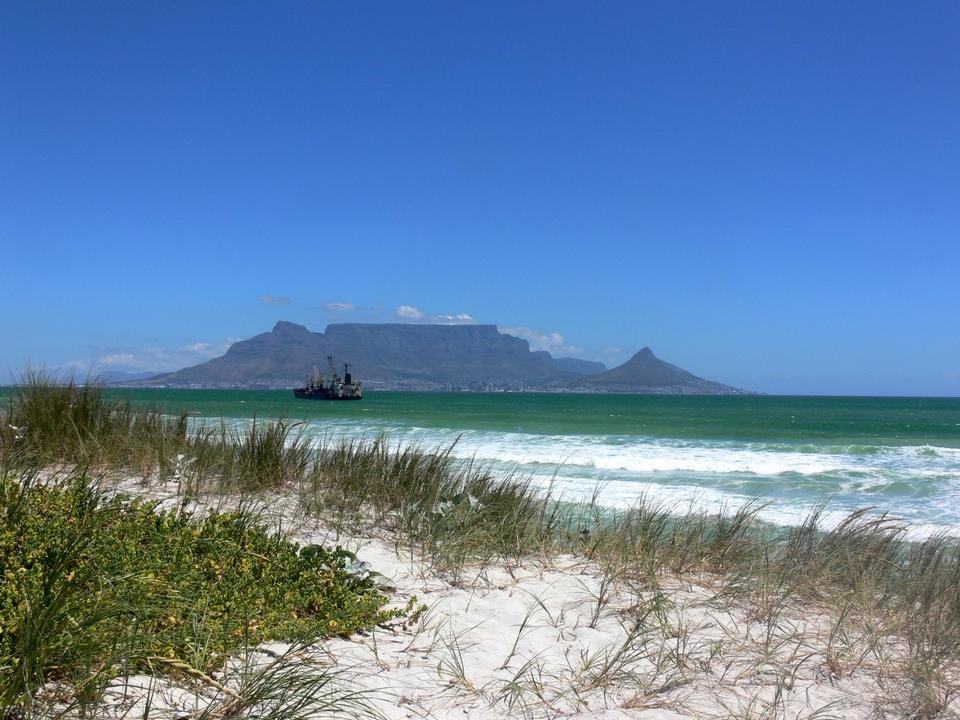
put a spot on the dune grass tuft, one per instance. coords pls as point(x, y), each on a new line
point(52, 421)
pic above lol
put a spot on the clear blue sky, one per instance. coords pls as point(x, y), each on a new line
point(767, 194)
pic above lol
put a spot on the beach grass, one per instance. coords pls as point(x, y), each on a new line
point(48, 421)
point(894, 603)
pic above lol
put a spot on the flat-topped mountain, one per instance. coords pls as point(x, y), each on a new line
point(425, 357)
point(385, 355)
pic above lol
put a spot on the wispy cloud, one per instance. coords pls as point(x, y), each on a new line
point(540, 340)
point(342, 307)
point(117, 359)
point(276, 299)
point(148, 358)
point(409, 313)
point(200, 347)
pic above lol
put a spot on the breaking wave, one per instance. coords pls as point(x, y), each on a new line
point(920, 484)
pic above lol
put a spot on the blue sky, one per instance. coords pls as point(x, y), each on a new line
point(767, 194)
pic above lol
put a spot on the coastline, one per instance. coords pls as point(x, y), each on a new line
point(502, 602)
point(561, 637)
point(901, 456)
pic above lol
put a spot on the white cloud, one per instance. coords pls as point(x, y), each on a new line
point(539, 340)
point(114, 359)
point(415, 314)
point(341, 307)
point(409, 312)
point(275, 299)
point(149, 358)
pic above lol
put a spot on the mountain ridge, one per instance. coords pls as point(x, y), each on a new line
point(427, 357)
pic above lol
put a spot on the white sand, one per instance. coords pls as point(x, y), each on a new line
point(535, 642)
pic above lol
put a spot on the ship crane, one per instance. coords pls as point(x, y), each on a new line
point(331, 369)
point(336, 388)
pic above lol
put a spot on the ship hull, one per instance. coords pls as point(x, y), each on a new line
point(321, 394)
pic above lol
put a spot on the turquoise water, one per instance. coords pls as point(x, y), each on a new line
point(900, 455)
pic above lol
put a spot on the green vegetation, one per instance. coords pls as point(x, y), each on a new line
point(93, 582)
point(896, 602)
point(458, 515)
point(97, 585)
point(49, 422)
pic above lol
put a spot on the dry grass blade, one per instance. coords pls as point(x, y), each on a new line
point(293, 686)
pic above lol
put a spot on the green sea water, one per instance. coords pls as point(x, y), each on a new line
point(900, 455)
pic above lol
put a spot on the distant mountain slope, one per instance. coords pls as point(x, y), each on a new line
point(427, 357)
point(423, 356)
point(645, 372)
point(579, 367)
point(119, 376)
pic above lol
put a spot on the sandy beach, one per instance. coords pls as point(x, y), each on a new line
point(563, 638)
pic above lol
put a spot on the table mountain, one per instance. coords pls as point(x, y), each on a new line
point(391, 355)
point(425, 357)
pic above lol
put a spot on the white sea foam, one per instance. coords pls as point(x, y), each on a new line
point(918, 483)
point(645, 455)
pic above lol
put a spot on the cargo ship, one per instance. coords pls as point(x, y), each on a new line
point(336, 388)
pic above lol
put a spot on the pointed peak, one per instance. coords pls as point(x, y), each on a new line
point(644, 353)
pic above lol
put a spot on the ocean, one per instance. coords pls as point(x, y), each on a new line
point(898, 455)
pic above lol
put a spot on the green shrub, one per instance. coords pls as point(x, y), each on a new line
point(93, 584)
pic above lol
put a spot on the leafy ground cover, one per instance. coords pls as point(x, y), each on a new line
point(95, 583)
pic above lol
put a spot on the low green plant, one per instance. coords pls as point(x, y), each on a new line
point(96, 584)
